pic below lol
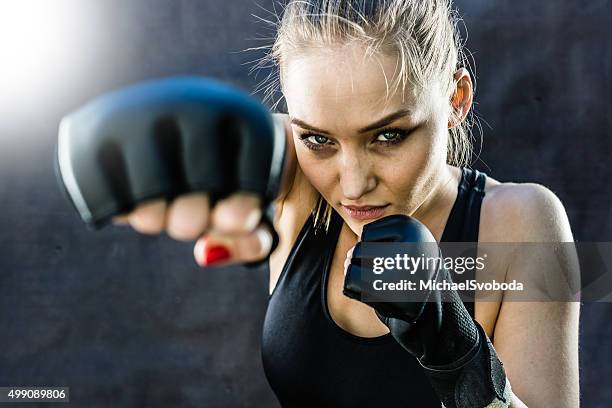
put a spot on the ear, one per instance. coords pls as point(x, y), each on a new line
point(461, 100)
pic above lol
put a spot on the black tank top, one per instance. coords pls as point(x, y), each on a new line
point(310, 361)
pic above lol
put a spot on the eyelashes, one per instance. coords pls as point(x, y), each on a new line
point(318, 142)
point(314, 142)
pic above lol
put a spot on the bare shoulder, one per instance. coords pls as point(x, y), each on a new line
point(519, 213)
point(522, 212)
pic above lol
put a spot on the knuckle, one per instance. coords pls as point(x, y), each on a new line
point(240, 212)
point(148, 218)
point(180, 233)
point(256, 245)
point(247, 248)
point(187, 217)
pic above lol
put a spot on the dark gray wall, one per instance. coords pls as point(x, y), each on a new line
point(128, 320)
point(544, 82)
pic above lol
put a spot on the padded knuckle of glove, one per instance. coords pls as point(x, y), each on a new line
point(394, 228)
point(165, 138)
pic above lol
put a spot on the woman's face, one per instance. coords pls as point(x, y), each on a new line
point(357, 146)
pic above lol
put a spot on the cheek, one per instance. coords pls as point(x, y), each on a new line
point(320, 173)
point(422, 152)
point(409, 175)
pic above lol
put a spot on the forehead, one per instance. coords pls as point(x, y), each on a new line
point(346, 84)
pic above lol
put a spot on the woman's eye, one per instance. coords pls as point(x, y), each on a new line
point(315, 142)
point(318, 139)
point(391, 136)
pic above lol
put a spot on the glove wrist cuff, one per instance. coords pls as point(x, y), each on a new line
point(476, 381)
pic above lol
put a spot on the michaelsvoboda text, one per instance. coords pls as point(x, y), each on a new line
point(430, 284)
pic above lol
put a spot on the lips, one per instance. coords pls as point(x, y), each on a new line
point(365, 212)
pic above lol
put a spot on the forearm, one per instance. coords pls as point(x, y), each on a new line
point(545, 371)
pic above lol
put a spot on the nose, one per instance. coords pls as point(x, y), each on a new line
point(356, 176)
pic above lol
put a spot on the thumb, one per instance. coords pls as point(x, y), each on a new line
point(215, 249)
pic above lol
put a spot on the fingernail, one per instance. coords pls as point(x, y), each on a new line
point(215, 254)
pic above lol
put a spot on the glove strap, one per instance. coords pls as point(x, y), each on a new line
point(477, 383)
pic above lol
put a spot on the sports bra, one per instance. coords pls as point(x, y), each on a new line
point(310, 361)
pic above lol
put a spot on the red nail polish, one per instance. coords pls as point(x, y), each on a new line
point(215, 254)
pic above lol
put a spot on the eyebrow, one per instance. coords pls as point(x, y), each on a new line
point(376, 125)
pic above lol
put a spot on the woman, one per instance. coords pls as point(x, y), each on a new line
point(378, 105)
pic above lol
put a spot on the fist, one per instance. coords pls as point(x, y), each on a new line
point(189, 156)
point(229, 232)
point(391, 229)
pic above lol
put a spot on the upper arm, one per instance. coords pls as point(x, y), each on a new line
point(538, 340)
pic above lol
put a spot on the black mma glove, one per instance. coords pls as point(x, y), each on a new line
point(165, 138)
point(453, 349)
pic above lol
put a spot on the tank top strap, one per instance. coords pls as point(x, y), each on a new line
point(464, 219)
point(473, 204)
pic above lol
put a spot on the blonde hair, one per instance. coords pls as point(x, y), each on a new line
point(423, 33)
